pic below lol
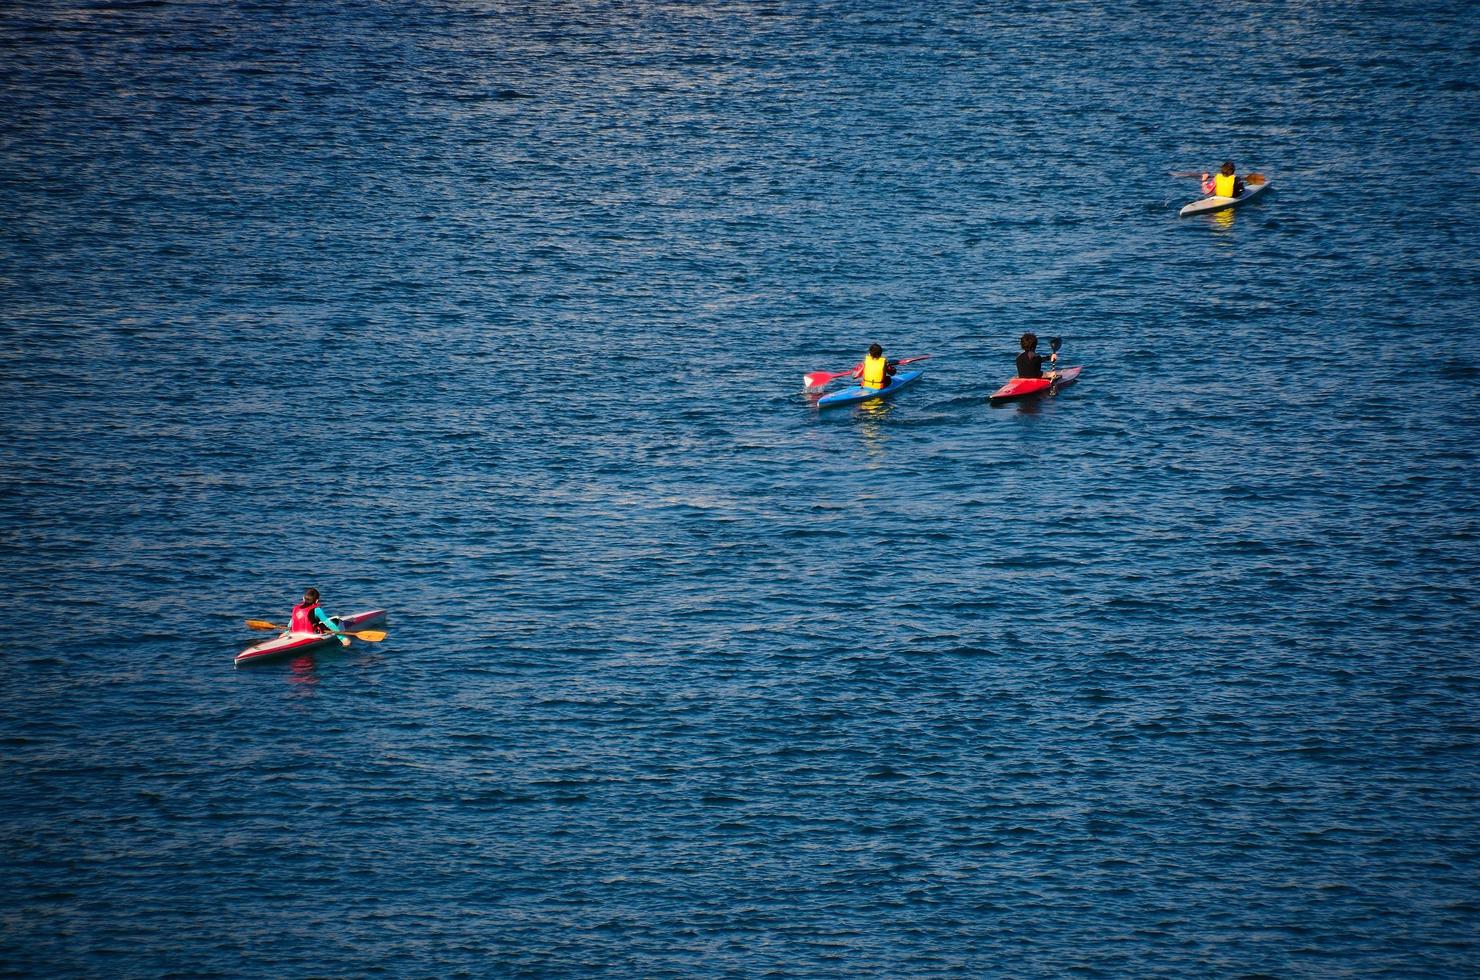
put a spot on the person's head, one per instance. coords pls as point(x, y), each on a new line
point(875, 350)
point(310, 596)
point(1227, 170)
point(1029, 341)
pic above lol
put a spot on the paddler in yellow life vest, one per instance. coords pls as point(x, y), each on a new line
point(1225, 183)
point(875, 372)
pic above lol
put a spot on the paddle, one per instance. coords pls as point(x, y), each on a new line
point(1253, 178)
point(821, 379)
point(1054, 343)
point(369, 636)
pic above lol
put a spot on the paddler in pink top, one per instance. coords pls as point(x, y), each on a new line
point(309, 618)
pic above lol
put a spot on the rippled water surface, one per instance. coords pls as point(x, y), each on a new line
point(495, 315)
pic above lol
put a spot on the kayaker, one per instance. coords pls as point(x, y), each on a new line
point(875, 372)
point(308, 617)
point(1225, 183)
point(1030, 362)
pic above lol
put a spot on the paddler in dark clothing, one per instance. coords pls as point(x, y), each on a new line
point(308, 617)
point(875, 372)
point(1030, 362)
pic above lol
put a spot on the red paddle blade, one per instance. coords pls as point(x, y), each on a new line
point(816, 379)
point(820, 379)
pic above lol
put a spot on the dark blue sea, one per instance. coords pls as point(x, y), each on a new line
point(495, 315)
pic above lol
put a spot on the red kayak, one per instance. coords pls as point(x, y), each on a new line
point(292, 644)
point(1019, 388)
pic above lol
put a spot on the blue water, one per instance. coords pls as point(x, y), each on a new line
point(496, 315)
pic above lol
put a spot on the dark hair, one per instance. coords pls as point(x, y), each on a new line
point(875, 351)
point(310, 596)
point(1227, 167)
point(1029, 341)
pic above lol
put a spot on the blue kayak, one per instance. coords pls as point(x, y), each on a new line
point(852, 396)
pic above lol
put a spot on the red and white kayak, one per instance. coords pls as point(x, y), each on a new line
point(1019, 388)
point(291, 644)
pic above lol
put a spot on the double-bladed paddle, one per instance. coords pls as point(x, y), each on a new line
point(1254, 178)
point(369, 636)
point(821, 379)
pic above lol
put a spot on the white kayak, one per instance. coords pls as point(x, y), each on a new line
point(292, 644)
point(1215, 203)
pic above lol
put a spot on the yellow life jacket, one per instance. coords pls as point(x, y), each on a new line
point(1223, 184)
point(873, 371)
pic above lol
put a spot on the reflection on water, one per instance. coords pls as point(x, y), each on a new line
point(302, 673)
point(873, 413)
point(1031, 406)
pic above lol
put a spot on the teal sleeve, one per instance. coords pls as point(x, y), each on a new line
point(323, 617)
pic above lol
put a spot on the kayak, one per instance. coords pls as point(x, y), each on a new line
point(852, 396)
point(1028, 387)
point(1215, 203)
point(292, 644)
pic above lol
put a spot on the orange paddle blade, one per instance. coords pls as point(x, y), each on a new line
point(369, 636)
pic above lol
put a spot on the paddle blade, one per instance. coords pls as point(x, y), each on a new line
point(1054, 343)
point(821, 379)
point(369, 636)
point(262, 624)
point(911, 360)
point(1255, 179)
point(816, 380)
